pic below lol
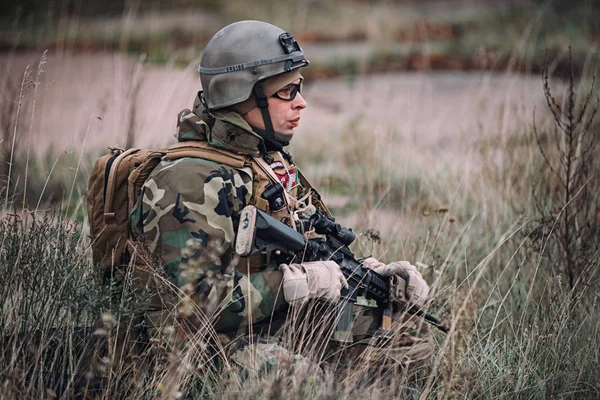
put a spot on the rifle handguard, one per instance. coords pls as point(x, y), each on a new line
point(259, 232)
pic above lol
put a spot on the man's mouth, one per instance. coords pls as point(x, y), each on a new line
point(295, 122)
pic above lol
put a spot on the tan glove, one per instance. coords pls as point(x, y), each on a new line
point(413, 289)
point(312, 280)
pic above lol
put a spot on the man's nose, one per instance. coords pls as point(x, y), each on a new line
point(299, 102)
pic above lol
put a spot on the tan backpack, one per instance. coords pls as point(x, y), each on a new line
point(117, 179)
point(113, 189)
point(114, 185)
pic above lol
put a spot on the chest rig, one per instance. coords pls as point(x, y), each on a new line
point(278, 187)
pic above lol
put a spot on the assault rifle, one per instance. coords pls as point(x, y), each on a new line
point(259, 232)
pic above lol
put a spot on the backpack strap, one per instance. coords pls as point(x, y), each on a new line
point(199, 149)
point(138, 176)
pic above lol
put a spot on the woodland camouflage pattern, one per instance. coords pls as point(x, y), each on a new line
point(187, 213)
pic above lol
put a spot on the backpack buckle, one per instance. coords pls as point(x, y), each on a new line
point(115, 149)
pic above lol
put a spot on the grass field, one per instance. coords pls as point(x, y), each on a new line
point(501, 219)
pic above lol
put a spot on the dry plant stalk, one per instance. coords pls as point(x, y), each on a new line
point(8, 93)
point(136, 80)
point(569, 153)
point(11, 151)
point(36, 85)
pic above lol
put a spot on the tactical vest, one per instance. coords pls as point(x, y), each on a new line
point(263, 176)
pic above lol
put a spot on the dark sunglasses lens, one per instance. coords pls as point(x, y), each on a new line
point(288, 93)
point(294, 91)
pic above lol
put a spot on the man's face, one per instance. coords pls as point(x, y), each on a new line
point(285, 115)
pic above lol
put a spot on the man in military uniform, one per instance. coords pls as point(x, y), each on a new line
point(231, 151)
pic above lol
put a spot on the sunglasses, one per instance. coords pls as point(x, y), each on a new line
point(288, 92)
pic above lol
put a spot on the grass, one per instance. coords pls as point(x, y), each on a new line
point(49, 294)
point(518, 330)
point(465, 213)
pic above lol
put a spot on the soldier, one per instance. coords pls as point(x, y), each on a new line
point(231, 151)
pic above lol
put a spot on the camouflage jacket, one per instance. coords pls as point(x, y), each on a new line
point(201, 199)
point(195, 198)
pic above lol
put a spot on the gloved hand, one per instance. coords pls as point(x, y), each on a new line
point(414, 289)
point(312, 280)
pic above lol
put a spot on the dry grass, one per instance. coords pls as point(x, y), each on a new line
point(441, 165)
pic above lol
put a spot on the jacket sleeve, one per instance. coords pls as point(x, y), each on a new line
point(187, 213)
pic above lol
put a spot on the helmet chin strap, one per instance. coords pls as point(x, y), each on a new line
point(263, 104)
point(272, 139)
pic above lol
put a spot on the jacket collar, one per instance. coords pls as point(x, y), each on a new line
point(223, 129)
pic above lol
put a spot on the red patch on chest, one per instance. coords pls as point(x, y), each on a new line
point(281, 172)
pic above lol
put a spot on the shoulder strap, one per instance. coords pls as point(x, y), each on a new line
point(199, 149)
point(273, 178)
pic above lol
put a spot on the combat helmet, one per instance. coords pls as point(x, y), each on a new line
point(240, 57)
